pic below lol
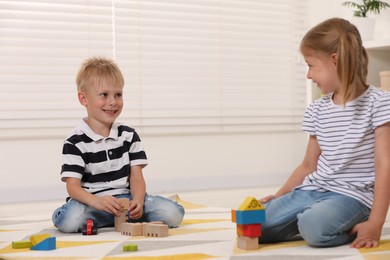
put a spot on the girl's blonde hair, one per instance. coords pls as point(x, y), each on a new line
point(97, 70)
point(340, 37)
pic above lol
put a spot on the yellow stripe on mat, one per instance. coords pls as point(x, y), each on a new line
point(377, 253)
point(59, 244)
point(166, 257)
point(269, 247)
point(201, 221)
point(187, 205)
point(194, 231)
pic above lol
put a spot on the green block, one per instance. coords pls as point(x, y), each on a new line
point(130, 247)
point(21, 244)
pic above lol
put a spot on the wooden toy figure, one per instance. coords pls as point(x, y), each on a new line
point(249, 217)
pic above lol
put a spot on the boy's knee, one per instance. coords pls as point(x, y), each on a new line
point(174, 217)
point(65, 225)
point(158, 208)
point(69, 219)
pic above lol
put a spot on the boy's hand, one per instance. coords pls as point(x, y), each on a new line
point(109, 204)
point(136, 209)
point(368, 235)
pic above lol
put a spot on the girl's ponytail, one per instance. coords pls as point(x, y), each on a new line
point(352, 60)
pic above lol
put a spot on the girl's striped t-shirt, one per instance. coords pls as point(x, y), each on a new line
point(345, 134)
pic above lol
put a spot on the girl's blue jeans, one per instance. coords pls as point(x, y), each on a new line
point(322, 219)
point(73, 215)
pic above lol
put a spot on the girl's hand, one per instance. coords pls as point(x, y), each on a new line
point(108, 203)
point(368, 235)
point(267, 198)
point(136, 209)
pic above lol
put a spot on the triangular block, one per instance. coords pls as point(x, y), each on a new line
point(251, 203)
point(47, 244)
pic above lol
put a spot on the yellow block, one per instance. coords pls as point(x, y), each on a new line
point(251, 203)
point(36, 239)
point(21, 244)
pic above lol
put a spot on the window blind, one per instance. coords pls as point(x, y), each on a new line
point(205, 66)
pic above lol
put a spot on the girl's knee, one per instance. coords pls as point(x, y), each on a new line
point(315, 231)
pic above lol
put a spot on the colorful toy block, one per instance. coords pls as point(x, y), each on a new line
point(36, 239)
point(21, 244)
point(47, 244)
point(251, 203)
point(249, 230)
point(250, 216)
point(234, 216)
point(130, 247)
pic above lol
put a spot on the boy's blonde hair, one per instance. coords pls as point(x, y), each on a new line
point(339, 36)
point(97, 70)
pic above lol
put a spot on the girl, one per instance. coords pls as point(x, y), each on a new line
point(340, 192)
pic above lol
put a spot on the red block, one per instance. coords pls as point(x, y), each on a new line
point(249, 230)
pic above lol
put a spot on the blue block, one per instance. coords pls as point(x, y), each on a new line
point(47, 244)
point(244, 217)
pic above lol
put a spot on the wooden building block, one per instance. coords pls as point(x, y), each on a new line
point(21, 244)
point(249, 230)
point(36, 239)
point(130, 247)
point(155, 230)
point(46, 244)
point(124, 216)
point(250, 216)
point(234, 216)
point(247, 243)
point(132, 229)
point(251, 203)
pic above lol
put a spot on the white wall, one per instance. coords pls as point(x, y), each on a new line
point(30, 169)
point(320, 10)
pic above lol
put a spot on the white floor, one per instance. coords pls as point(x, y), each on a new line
point(230, 198)
point(227, 198)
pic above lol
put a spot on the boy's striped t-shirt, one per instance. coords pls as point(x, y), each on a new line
point(345, 135)
point(102, 163)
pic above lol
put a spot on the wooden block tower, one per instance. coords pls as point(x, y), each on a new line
point(124, 214)
point(249, 217)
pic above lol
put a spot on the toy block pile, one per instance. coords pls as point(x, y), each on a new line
point(249, 217)
point(41, 242)
point(152, 229)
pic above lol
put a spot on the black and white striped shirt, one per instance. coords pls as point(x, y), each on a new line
point(345, 135)
point(102, 163)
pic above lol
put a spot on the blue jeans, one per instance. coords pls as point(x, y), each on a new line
point(73, 215)
point(322, 219)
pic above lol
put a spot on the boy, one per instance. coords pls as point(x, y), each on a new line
point(103, 159)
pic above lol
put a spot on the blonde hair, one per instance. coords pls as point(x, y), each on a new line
point(339, 36)
point(96, 70)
